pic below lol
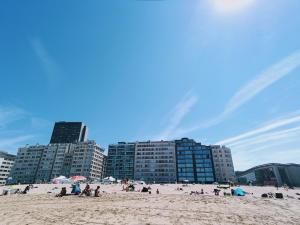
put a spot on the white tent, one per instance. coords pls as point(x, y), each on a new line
point(109, 179)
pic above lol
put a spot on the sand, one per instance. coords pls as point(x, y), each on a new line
point(169, 207)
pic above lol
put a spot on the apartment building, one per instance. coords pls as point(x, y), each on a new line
point(55, 161)
point(194, 162)
point(26, 164)
point(88, 160)
point(155, 161)
point(120, 160)
point(6, 163)
point(41, 163)
point(222, 158)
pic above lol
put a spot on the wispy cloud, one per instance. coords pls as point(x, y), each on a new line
point(19, 127)
point(182, 108)
point(262, 144)
point(262, 81)
point(50, 66)
point(266, 127)
point(286, 135)
point(9, 114)
point(13, 143)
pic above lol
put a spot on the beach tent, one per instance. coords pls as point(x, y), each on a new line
point(60, 180)
point(109, 179)
point(239, 192)
point(10, 180)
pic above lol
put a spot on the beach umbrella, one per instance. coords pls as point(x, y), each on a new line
point(78, 178)
point(60, 180)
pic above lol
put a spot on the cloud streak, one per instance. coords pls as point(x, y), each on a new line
point(263, 81)
point(14, 142)
point(50, 66)
point(9, 115)
point(177, 115)
point(260, 145)
point(254, 87)
point(267, 127)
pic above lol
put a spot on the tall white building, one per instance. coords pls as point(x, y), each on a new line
point(88, 160)
point(6, 163)
point(41, 163)
point(223, 164)
point(155, 161)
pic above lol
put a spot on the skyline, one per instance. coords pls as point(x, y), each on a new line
point(151, 70)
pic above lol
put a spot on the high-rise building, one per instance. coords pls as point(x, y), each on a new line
point(6, 163)
point(88, 160)
point(41, 163)
point(223, 164)
point(26, 164)
point(69, 132)
point(55, 161)
point(194, 162)
point(155, 162)
point(120, 160)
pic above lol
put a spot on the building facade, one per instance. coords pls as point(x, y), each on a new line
point(271, 174)
point(120, 160)
point(194, 162)
point(6, 163)
point(55, 161)
point(41, 163)
point(155, 162)
point(69, 132)
point(88, 160)
point(223, 164)
point(26, 164)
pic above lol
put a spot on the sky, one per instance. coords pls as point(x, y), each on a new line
point(218, 71)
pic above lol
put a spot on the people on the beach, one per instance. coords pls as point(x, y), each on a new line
point(27, 188)
point(63, 192)
point(217, 191)
point(76, 189)
point(97, 192)
point(87, 190)
point(157, 191)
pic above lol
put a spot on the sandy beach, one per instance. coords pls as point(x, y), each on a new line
point(170, 206)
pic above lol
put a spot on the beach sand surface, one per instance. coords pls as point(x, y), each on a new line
point(170, 206)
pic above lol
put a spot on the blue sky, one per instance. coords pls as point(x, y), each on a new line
point(218, 71)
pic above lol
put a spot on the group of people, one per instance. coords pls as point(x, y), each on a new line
point(87, 191)
point(17, 191)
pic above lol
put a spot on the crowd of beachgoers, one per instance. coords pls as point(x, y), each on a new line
point(89, 190)
point(127, 203)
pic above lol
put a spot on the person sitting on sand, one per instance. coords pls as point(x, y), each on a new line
point(232, 192)
point(76, 189)
point(157, 191)
point(97, 191)
point(202, 192)
point(63, 192)
point(87, 190)
point(26, 189)
point(216, 191)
